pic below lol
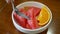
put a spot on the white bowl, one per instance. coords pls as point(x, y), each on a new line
point(39, 30)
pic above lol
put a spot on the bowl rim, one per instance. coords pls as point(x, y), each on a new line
point(37, 28)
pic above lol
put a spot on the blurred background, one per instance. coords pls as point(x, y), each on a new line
point(6, 24)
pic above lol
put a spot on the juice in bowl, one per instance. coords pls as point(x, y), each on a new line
point(40, 17)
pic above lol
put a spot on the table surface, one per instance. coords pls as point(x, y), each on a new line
point(6, 24)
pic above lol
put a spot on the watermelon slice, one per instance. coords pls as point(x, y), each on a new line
point(32, 22)
point(20, 20)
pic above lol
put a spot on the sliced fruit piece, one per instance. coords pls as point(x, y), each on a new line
point(32, 22)
point(35, 9)
point(28, 26)
point(44, 16)
point(20, 20)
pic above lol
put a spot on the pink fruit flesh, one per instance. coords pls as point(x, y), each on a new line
point(32, 12)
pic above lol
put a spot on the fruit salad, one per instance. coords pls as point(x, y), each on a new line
point(38, 17)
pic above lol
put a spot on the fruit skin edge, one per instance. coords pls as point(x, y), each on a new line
point(43, 8)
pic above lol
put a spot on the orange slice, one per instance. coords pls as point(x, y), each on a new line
point(44, 16)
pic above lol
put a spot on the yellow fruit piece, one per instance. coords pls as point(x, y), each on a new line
point(44, 16)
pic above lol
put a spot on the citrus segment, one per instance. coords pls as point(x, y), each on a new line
point(44, 16)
